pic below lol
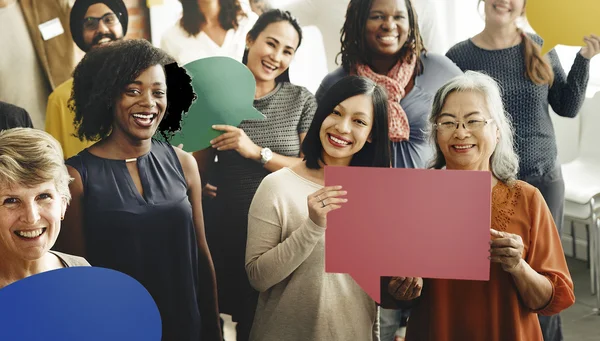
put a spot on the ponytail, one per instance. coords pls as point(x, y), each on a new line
point(537, 67)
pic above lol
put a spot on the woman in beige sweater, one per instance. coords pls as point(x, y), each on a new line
point(285, 258)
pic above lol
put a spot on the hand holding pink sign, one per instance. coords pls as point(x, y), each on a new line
point(405, 288)
point(324, 201)
point(409, 223)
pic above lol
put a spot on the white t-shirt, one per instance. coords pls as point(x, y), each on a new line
point(185, 48)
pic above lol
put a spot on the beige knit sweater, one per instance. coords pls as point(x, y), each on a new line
point(285, 261)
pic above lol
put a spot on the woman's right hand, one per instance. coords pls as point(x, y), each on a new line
point(209, 191)
point(324, 201)
point(592, 46)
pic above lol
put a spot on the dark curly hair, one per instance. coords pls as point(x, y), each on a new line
point(267, 18)
point(354, 48)
point(101, 77)
point(193, 18)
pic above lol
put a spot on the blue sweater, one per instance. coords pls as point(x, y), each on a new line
point(527, 102)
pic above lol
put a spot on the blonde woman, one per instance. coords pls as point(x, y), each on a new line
point(34, 194)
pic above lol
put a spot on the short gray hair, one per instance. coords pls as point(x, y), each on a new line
point(504, 162)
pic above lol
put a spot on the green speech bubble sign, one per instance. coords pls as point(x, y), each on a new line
point(225, 90)
point(563, 22)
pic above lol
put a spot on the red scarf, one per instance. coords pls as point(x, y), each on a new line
point(394, 82)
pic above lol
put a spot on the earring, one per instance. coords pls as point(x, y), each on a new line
point(62, 217)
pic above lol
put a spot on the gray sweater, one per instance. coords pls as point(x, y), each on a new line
point(417, 152)
point(526, 102)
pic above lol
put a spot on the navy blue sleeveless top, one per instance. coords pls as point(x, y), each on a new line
point(150, 237)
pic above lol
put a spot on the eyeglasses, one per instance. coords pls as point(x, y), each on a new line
point(470, 125)
point(109, 19)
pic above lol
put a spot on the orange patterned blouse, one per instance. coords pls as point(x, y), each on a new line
point(492, 310)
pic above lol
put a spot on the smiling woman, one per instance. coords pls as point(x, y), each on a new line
point(137, 201)
point(532, 83)
point(110, 94)
point(251, 151)
point(285, 255)
point(34, 195)
point(528, 272)
point(381, 40)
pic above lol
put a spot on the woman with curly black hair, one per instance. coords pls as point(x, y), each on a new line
point(209, 28)
point(136, 204)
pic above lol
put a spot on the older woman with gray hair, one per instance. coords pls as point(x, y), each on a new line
point(528, 274)
point(34, 194)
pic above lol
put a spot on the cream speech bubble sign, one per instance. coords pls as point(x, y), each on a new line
point(563, 22)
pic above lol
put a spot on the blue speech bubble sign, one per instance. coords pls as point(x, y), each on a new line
point(78, 303)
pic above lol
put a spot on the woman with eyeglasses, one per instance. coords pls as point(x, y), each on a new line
point(531, 83)
point(528, 272)
point(209, 28)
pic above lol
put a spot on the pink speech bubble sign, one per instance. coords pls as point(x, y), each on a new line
point(409, 222)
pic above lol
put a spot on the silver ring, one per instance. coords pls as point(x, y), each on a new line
point(323, 203)
point(319, 198)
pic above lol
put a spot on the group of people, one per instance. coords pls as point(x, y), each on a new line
point(238, 228)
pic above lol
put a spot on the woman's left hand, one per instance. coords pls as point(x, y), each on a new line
point(405, 288)
point(236, 139)
point(506, 249)
point(592, 46)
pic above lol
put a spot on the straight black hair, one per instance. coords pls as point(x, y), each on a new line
point(266, 19)
point(373, 154)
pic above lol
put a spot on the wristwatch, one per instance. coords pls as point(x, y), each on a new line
point(265, 155)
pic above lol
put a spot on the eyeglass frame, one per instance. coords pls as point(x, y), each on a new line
point(458, 123)
point(98, 19)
